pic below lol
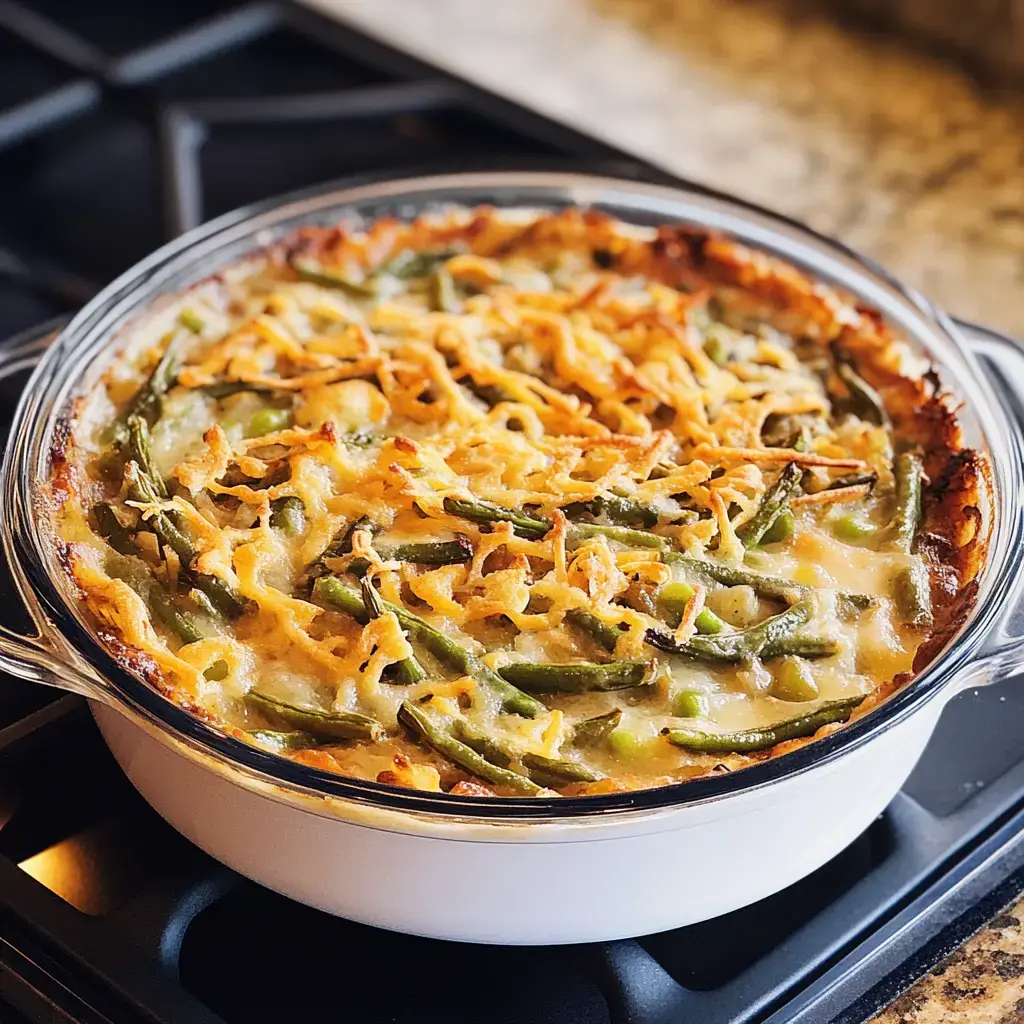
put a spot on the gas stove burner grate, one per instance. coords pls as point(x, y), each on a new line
point(123, 124)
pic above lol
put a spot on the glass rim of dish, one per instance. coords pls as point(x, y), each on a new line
point(90, 341)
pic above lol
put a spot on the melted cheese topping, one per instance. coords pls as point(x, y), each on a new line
point(418, 371)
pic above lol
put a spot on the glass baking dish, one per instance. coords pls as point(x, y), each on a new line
point(65, 652)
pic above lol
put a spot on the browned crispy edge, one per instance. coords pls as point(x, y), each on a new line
point(955, 532)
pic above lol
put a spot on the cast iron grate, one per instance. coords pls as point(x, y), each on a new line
point(121, 125)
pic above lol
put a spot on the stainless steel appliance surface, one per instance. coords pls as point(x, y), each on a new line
point(122, 125)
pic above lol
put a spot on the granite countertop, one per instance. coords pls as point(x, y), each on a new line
point(981, 983)
point(898, 155)
point(895, 153)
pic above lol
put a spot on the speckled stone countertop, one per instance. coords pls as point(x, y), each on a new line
point(981, 983)
point(894, 153)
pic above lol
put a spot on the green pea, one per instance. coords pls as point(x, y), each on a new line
point(217, 671)
point(793, 680)
point(851, 530)
point(674, 597)
point(268, 421)
point(191, 320)
point(626, 745)
point(782, 526)
point(691, 704)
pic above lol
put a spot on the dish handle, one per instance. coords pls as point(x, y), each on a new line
point(1001, 359)
point(35, 658)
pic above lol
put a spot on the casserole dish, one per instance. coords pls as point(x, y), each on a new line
point(385, 856)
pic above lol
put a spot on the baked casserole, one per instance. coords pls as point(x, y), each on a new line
point(519, 503)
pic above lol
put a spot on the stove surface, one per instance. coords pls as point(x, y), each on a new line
point(122, 125)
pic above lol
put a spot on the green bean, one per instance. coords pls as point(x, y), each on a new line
point(909, 472)
point(662, 470)
point(620, 534)
point(486, 512)
point(854, 480)
point(340, 546)
point(373, 603)
point(148, 400)
point(162, 605)
point(440, 552)
point(849, 604)
point(203, 603)
point(555, 772)
point(322, 725)
point(192, 321)
point(674, 598)
point(781, 528)
point(409, 264)
point(708, 572)
point(442, 294)
point(731, 648)
point(750, 740)
point(141, 450)
point(483, 745)
point(801, 645)
point(329, 277)
point(600, 632)
point(290, 740)
point(141, 488)
point(330, 590)
point(716, 349)
point(801, 440)
point(288, 515)
point(138, 576)
point(580, 677)
point(222, 595)
point(912, 594)
point(626, 512)
point(433, 733)
point(788, 430)
point(864, 399)
point(110, 528)
point(224, 388)
point(616, 509)
point(550, 772)
point(490, 394)
point(343, 545)
point(775, 499)
point(593, 731)
point(408, 670)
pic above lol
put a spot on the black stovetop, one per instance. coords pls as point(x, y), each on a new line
point(121, 124)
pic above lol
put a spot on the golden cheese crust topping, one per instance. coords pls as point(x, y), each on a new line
point(518, 503)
